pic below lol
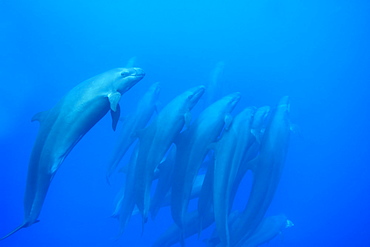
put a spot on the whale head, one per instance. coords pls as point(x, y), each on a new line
point(284, 104)
point(227, 103)
point(154, 89)
point(232, 100)
point(289, 224)
point(126, 78)
point(260, 117)
point(194, 94)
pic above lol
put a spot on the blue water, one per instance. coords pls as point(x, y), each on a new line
point(317, 52)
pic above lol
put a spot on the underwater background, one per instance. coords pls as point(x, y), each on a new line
point(317, 52)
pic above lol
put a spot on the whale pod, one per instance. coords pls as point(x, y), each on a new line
point(156, 139)
point(193, 145)
point(266, 168)
point(132, 124)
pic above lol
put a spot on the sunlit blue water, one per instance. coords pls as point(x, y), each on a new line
point(317, 52)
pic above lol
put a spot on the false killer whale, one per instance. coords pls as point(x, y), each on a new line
point(132, 124)
point(228, 157)
point(64, 125)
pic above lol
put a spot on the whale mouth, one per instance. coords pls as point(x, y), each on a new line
point(234, 98)
point(195, 95)
point(138, 72)
point(199, 91)
point(135, 72)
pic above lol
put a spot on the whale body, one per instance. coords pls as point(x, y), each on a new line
point(63, 126)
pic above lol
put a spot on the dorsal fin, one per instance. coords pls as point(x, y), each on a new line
point(40, 116)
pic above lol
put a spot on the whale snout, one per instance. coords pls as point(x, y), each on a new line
point(139, 72)
point(195, 94)
point(129, 77)
point(136, 72)
point(234, 98)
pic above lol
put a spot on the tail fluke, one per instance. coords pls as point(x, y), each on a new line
point(14, 231)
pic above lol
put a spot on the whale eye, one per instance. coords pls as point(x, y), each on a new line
point(125, 73)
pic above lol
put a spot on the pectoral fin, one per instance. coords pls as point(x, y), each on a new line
point(181, 138)
point(115, 117)
point(114, 100)
point(187, 119)
point(157, 108)
point(251, 165)
point(212, 146)
point(141, 132)
point(228, 121)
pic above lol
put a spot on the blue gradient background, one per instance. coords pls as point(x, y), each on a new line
point(315, 51)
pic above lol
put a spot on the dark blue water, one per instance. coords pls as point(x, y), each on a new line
point(317, 52)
